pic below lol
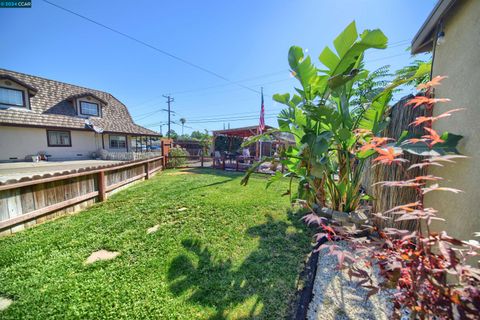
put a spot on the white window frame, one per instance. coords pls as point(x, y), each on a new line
point(80, 110)
point(24, 102)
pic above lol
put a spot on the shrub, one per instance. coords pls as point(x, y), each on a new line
point(177, 157)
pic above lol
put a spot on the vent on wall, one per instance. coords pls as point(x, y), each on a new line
point(79, 155)
point(13, 158)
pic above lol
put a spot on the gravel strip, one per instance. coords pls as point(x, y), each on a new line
point(336, 297)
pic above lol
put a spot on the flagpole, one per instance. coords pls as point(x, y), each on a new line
point(262, 106)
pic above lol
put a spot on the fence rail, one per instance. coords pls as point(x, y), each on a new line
point(30, 201)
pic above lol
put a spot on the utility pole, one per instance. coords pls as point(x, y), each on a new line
point(169, 100)
point(161, 125)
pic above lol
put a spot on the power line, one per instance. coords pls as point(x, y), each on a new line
point(215, 86)
point(171, 55)
point(392, 56)
point(225, 118)
point(223, 91)
point(228, 84)
point(281, 80)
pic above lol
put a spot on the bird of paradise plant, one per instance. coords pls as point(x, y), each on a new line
point(330, 129)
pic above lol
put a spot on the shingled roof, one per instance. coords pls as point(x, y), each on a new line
point(52, 106)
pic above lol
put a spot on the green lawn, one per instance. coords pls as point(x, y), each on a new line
point(235, 253)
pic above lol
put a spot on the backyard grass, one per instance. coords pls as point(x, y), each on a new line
point(234, 253)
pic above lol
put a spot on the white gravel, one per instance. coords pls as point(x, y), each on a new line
point(336, 297)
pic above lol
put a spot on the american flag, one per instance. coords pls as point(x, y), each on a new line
point(261, 126)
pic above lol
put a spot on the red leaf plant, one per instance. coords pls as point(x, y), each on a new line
point(427, 269)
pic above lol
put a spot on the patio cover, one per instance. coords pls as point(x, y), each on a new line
point(243, 132)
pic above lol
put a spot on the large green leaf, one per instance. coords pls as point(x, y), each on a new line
point(282, 98)
point(346, 39)
point(368, 39)
point(295, 56)
point(373, 117)
point(329, 58)
point(318, 144)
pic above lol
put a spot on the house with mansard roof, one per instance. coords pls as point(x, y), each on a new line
point(63, 121)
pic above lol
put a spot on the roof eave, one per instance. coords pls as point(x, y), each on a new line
point(423, 40)
point(31, 90)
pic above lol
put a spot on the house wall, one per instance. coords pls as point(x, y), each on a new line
point(459, 59)
point(19, 142)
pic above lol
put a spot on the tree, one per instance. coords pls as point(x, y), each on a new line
point(172, 134)
point(204, 138)
point(198, 135)
point(182, 121)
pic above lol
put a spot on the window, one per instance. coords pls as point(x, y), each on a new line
point(89, 109)
point(57, 138)
point(118, 142)
point(12, 98)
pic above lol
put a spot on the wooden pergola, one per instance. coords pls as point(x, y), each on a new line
point(243, 132)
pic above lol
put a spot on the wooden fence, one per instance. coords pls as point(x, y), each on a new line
point(30, 201)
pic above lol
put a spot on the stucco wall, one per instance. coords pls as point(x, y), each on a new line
point(459, 59)
point(17, 142)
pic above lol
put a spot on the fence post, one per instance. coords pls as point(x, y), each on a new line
point(201, 160)
point(223, 163)
point(102, 187)
point(236, 166)
point(147, 170)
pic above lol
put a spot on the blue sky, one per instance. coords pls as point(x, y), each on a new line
point(243, 41)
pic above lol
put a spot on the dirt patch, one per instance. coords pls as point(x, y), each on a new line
point(179, 173)
point(101, 255)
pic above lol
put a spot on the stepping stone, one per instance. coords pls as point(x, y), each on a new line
point(153, 229)
point(182, 209)
point(5, 303)
point(101, 255)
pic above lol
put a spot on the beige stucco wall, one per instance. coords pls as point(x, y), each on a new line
point(459, 59)
point(18, 142)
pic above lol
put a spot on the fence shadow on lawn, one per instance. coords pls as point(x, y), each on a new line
point(267, 273)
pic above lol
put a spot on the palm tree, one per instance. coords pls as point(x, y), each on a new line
point(182, 121)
